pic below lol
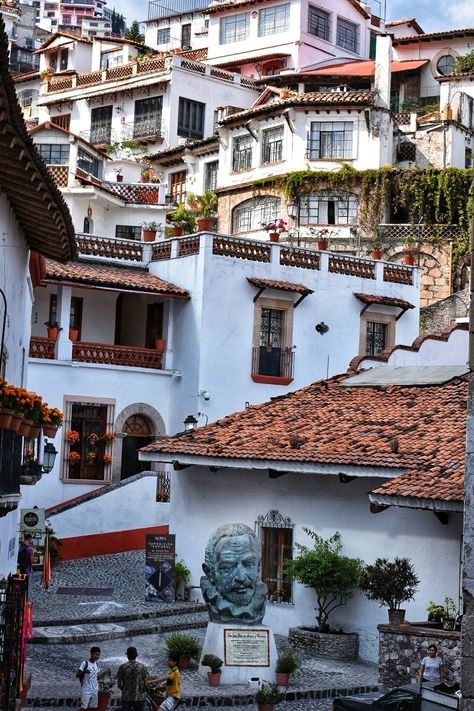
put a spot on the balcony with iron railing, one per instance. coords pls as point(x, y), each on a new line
point(132, 193)
point(271, 364)
point(102, 353)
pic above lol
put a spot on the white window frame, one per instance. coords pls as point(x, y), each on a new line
point(234, 28)
point(334, 146)
point(343, 27)
point(273, 20)
point(274, 153)
point(314, 210)
point(249, 214)
point(242, 153)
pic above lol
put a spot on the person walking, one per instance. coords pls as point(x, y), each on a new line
point(89, 674)
point(132, 680)
point(172, 685)
point(26, 554)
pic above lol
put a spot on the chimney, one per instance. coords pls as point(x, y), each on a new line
point(383, 70)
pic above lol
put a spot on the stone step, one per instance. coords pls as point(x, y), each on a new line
point(97, 631)
point(168, 610)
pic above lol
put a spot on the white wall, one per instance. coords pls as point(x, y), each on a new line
point(326, 506)
point(431, 352)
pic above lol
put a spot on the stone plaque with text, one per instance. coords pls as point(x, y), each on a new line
point(246, 647)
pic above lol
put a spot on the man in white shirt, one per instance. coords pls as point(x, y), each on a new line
point(89, 674)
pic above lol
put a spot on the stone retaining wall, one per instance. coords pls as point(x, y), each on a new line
point(401, 649)
point(316, 644)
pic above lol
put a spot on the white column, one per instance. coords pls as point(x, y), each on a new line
point(63, 344)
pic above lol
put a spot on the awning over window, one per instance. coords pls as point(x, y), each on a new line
point(377, 299)
point(263, 284)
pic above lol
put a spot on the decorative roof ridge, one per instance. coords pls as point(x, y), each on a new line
point(415, 346)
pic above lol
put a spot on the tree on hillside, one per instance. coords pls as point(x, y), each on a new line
point(118, 23)
point(134, 33)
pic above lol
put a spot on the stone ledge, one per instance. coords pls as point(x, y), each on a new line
point(318, 644)
point(418, 630)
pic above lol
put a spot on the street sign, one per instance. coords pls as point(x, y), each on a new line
point(32, 521)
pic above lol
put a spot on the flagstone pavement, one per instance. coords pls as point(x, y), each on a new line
point(65, 626)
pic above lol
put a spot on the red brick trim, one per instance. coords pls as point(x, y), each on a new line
point(271, 380)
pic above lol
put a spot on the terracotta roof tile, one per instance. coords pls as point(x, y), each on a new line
point(420, 429)
point(385, 300)
point(280, 285)
point(113, 277)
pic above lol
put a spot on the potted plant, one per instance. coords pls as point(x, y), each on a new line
point(149, 231)
point(160, 343)
point(445, 614)
point(275, 228)
point(183, 221)
point(390, 584)
point(184, 647)
point(214, 676)
point(73, 334)
point(322, 235)
point(53, 329)
point(435, 612)
point(330, 574)
point(286, 665)
point(148, 175)
point(119, 175)
point(206, 210)
point(47, 73)
point(106, 684)
point(267, 696)
point(377, 243)
point(181, 574)
point(410, 249)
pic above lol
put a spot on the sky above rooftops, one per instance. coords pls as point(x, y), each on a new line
point(432, 15)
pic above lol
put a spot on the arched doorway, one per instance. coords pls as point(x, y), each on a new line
point(139, 431)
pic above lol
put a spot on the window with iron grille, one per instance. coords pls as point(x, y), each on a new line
point(319, 23)
point(275, 533)
point(186, 36)
point(210, 176)
point(128, 231)
point(53, 154)
point(328, 208)
point(234, 28)
point(178, 186)
point(101, 124)
point(250, 214)
point(191, 118)
point(406, 151)
point(347, 35)
point(63, 60)
point(84, 457)
point(242, 153)
point(272, 20)
point(89, 164)
point(330, 139)
point(272, 145)
point(148, 117)
point(163, 35)
point(376, 338)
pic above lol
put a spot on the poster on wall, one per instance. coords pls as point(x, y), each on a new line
point(159, 567)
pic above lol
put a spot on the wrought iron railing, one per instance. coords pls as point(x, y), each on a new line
point(267, 361)
point(117, 355)
point(144, 128)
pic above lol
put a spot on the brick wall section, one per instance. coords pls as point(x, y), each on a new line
point(401, 649)
point(441, 316)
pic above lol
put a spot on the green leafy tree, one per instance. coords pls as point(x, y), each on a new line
point(389, 583)
point(464, 64)
point(134, 33)
point(330, 574)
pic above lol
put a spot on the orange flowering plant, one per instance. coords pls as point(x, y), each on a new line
point(91, 457)
point(109, 436)
point(73, 436)
point(107, 458)
point(74, 456)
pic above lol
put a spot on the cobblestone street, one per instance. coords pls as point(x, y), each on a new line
point(65, 626)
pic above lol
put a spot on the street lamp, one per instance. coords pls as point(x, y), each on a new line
point(49, 457)
point(293, 209)
point(31, 472)
point(190, 423)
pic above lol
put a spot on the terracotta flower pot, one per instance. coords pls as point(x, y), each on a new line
point(73, 334)
point(50, 430)
point(119, 178)
point(35, 429)
point(5, 418)
point(17, 419)
point(274, 237)
point(176, 231)
point(149, 235)
point(183, 662)
point(282, 678)
point(214, 679)
point(376, 254)
point(53, 332)
point(410, 259)
point(322, 244)
point(103, 702)
point(204, 224)
point(265, 707)
point(160, 345)
point(25, 427)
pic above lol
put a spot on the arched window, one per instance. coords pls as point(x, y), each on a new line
point(275, 533)
point(250, 214)
point(329, 207)
point(445, 64)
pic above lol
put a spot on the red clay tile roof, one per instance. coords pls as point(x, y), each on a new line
point(365, 68)
point(427, 36)
point(281, 285)
point(113, 277)
point(356, 363)
point(420, 429)
point(385, 300)
point(329, 99)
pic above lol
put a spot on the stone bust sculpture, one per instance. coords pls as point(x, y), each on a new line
point(230, 584)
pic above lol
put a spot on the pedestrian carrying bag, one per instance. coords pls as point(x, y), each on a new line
point(80, 674)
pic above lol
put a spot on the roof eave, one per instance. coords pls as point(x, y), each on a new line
point(413, 502)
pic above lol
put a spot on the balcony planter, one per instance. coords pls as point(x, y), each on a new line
point(176, 231)
point(17, 419)
point(322, 244)
point(73, 334)
point(204, 224)
point(274, 236)
point(410, 259)
point(149, 235)
point(5, 418)
point(25, 428)
point(160, 345)
point(376, 254)
point(53, 333)
point(119, 178)
point(50, 431)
